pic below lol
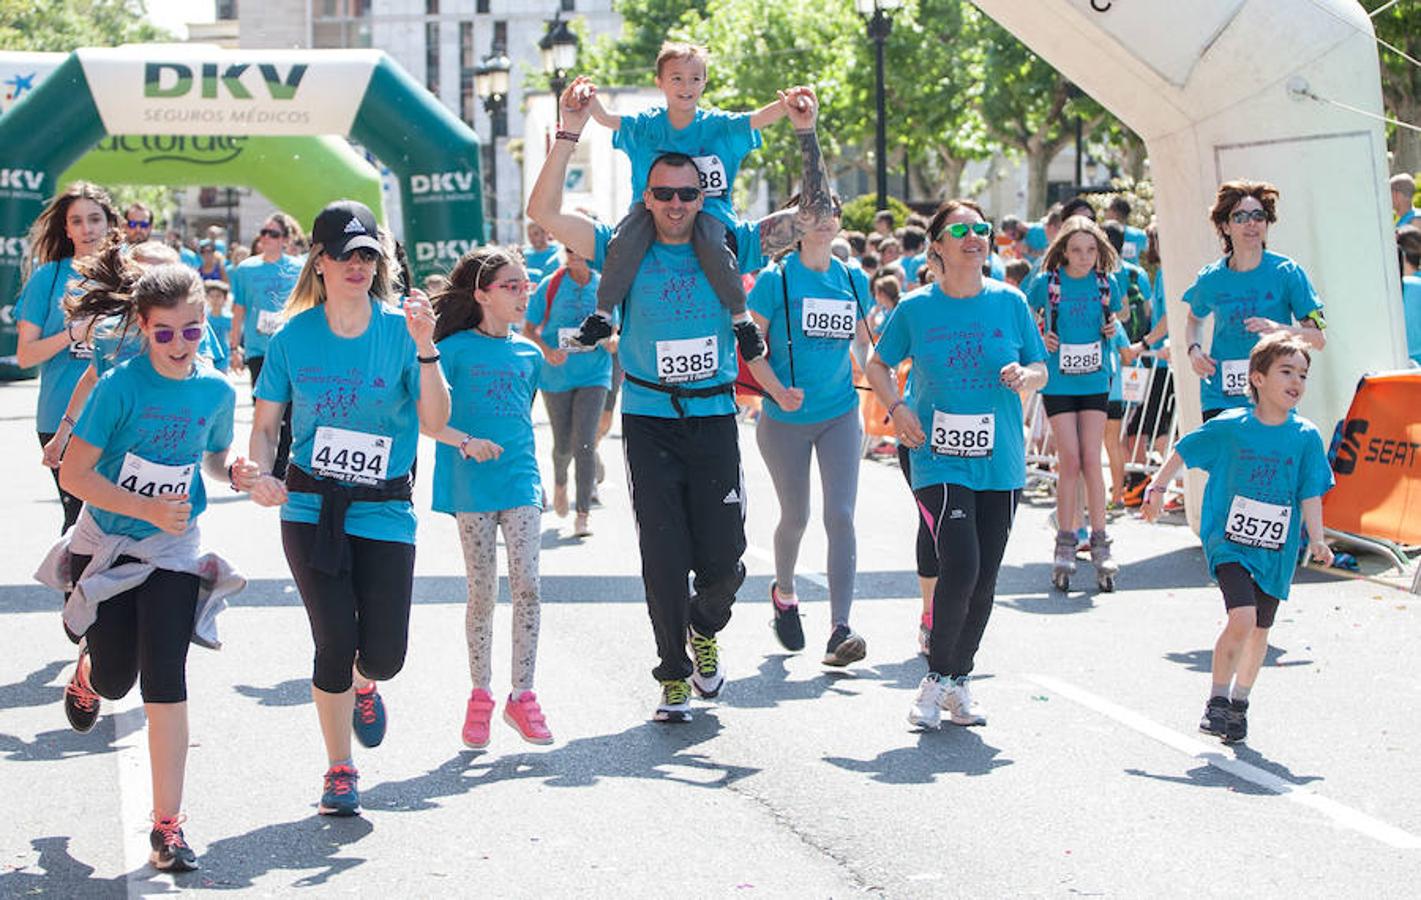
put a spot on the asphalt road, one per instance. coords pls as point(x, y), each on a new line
point(1090, 778)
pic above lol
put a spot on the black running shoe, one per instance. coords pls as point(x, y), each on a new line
point(788, 628)
point(1214, 715)
point(81, 704)
point(1236, 722)
point(171, 852)
point(845, 646)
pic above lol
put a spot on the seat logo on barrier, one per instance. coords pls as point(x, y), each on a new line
point(1346, 461)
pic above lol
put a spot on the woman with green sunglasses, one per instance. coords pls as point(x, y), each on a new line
point(975, 349)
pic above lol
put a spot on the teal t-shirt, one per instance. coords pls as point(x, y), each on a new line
point(367, 387)
point(153, 431)
point(1113, 345)
point(1411, 308)
point(261, 288)
point(1077, 323)
point(824, 309)
point(1258, 477)
point(189, 258)
point(41, 303)
point(911, 265)
point(1136, 242)
point(572, 302)
point(958, 346)
point(1277, 288)
point(491, 386)
point(674, 329)
point(1159, 311)
point(716, 140)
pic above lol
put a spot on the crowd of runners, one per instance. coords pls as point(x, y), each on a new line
point(673, 309)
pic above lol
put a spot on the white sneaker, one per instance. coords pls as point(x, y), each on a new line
point(961, 708)
point(927, 708)
point(707, 677)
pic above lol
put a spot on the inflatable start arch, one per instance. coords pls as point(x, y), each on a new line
point(193, 90)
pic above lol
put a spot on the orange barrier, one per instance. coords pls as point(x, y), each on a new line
point(1378, 461)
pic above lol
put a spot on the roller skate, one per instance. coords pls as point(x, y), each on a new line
point(1105, 567)
point(1063, 566)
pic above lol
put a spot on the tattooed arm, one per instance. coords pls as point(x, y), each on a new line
point(780, 230)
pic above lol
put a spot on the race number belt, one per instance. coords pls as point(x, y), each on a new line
point(969, 435)
point(351, 456)
point(828, 318)
point(1234, 377)
point(1080, 359)
point(268, 321)
point(712, 172)
point(1254, 523)
point(150, 479)
point(686, 360)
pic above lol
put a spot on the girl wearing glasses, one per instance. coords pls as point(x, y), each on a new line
point(486, 473)
point(974, 347)
point(74, 225)
point(1251, 291)
point(1077, 292)
point(142, 589)
point(361, 378)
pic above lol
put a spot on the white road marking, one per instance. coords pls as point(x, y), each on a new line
point(1343, 816)
point(767, 556)
point(134, 790)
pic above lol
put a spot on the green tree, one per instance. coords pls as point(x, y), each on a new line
point(63, 26)
point(1400, 26)
point(1028, 106)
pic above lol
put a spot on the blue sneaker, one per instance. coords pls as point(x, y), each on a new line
point(341, 797)
point(368, 720)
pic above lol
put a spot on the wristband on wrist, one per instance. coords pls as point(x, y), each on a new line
point(428, 360)
point(1192, 347)
point(67, 419)
point(892, 409)
point(567, 136)
point(463, 446)
point(232, 482)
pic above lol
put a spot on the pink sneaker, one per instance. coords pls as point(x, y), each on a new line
point(476, 719)
point(526, 717)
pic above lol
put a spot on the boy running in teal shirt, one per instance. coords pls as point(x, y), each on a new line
point(1266, 464)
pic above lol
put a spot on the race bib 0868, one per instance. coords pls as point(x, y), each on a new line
point(828, 318)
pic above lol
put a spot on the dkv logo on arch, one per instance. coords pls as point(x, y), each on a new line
point(430, 251)
point(442, 183)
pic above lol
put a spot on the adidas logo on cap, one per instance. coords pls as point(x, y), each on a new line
point(354, 226)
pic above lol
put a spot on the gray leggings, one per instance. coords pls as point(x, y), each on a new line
point(478, 532)
point(786, 449)
point(575, 415)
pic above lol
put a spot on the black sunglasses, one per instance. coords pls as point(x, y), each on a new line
point(687, 194)
point(272, 232)
point(364, 254)
point(1240, 216)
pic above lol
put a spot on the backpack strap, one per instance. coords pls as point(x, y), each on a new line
point(789, 326)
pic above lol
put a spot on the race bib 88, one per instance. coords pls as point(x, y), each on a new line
point(689, 359)
point(972, 435)
point(712, 171)
point(353, 456)
point(149, 479)
point(828, 318)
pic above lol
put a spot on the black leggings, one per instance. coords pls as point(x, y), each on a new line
point(142, 634)
point(283, 442)
point(927, 551)
point(970, 529)
point(71, 504)
point(359, 617)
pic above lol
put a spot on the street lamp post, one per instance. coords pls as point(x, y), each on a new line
point(880, 25)
point(491, 84)
point(558, 49)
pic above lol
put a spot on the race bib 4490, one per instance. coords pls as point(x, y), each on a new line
point(149, 479)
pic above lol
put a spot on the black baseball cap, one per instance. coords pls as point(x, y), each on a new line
point(346, 225)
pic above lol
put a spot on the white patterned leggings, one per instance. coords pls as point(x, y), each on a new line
point(478, 533)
